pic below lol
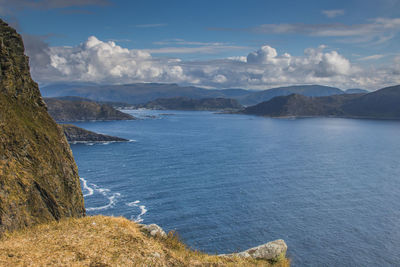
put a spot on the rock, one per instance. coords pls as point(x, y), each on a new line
point(154, 230)
point(39, 179)
point(271, 251)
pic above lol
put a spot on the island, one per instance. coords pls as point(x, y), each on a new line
point(76, 134)
point(185, 103)
point(76, 109)
point(380, 104)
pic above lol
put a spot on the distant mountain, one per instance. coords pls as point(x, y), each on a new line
point(82, 110)
point(140, 93)
point(356, 91)
point(184, 103)
point(77, 134)
point(306, 90)
point(381, 104)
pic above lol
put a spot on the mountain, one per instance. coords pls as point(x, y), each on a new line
point(356, 91)
point(381, 104)
point(39, 179)
point(305, 90)
point(140, 93)
point(78, 109)
point(76, 134)
point(184, 103)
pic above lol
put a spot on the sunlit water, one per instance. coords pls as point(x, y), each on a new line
point(329, 187)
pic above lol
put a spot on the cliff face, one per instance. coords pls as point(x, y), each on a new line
point(38, 176)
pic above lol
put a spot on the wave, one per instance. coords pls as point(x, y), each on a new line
point(142, 208)
point(86, 187)
point(112, 197)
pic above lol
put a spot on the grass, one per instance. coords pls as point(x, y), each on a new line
point(104, 241)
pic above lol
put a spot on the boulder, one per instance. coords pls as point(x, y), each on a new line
point(154, 230)
point(271, 251)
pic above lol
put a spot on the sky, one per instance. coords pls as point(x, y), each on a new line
point(249, 44)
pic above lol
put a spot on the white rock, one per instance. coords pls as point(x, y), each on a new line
point(155, 230)
point(270, 251)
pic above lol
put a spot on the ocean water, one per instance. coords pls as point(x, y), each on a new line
point(329, 187)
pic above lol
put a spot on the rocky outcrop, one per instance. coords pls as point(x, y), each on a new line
point(76, 134)
point(154, 230)
point(271, 251)
point(82, 110)
point(39, 179)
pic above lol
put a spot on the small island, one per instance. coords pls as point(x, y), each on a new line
point(76, 134)
point(80, 109)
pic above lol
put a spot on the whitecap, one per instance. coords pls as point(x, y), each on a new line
point(142, 208)
point(86, 187)
point(111, 197)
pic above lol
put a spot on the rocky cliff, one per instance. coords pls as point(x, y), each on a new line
point(38, 176)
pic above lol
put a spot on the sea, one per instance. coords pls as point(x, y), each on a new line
point(329, 187)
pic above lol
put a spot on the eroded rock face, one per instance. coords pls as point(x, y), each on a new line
point(38, 176)
point(271, 251)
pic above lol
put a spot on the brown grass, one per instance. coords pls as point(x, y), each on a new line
point(104, 241)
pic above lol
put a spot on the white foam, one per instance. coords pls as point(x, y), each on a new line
point(112, 198)
point(142, 208)
point(132, 140)
point(111, 202)
point(86, 187)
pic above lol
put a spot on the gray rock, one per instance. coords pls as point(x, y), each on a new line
point(154, 230)
point(271, 251)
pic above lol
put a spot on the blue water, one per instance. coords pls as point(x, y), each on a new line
point(329, 187)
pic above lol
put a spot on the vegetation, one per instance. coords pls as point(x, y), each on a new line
point(78, 110)
point(39, 179)
point(105, 241)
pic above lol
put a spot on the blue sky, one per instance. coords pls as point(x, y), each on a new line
point(347, 41)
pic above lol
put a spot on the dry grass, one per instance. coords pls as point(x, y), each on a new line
point(104, 241)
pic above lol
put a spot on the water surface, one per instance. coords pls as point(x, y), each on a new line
point(329, 187)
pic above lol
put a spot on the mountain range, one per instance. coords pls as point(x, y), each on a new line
point(381, 104)
point(140, 93)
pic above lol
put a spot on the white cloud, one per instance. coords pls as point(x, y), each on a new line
point(105, 62)
point(333, 13)
point(372, 57)
point(378, 30)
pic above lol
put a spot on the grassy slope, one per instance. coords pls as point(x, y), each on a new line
point(104, 241)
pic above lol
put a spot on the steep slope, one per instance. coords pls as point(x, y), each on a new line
point(184, 103)
point(38, 176)
point(305, 90)
point(77, 110)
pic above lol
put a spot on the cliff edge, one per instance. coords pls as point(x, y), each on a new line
point(38, 176)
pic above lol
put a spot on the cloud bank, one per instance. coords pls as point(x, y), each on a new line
point(106, 62)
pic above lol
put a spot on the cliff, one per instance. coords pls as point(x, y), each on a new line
point(82, 110)
point(38, 177)
point(76, 134)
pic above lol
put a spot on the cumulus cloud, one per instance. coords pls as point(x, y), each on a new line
point(108, 63)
